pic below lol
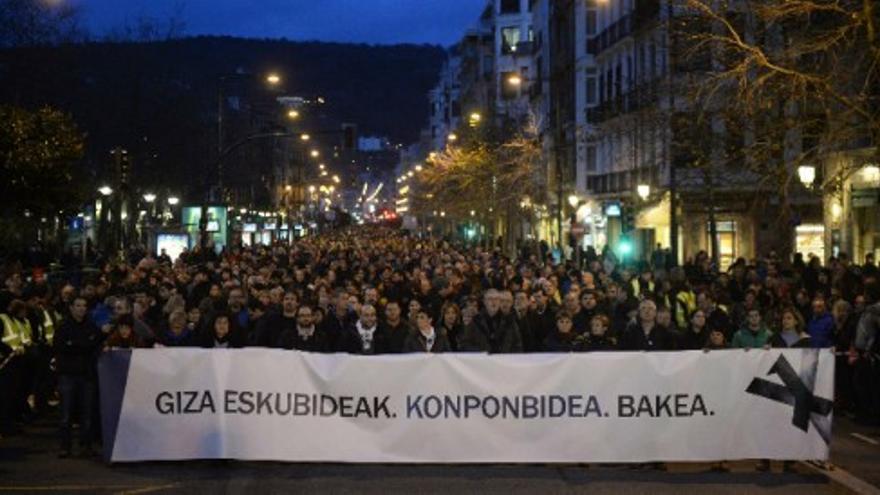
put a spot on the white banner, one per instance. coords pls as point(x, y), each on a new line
point(260, 404)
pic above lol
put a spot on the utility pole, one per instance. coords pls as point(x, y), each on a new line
point(673, 179)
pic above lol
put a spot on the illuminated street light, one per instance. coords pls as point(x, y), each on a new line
point(452, 137)
point(105, 190)
point(410, 173)
point(573, 200)
point(419, 168)
point(515, 80)
point(807, 174)
point(293, 114)
point(173, 200)
point(643, 190)
point(305, 137)
point(273, 79)
point(312, 189)
point(149, 197)
point(336, 179)
point(315, 153)
point(288, 188)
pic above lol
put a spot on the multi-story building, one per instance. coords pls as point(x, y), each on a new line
point(445, 114)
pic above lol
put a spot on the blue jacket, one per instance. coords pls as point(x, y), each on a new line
point(821, 330)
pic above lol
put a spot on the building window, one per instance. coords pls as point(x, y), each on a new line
point(510, 36)
point(509, 7)
point(591, 87)
point(591, 158)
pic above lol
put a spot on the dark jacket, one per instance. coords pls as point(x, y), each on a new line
point(291, 339)
point(235, 339)
point(396, 335)
point(416, 342)
point(604, 343)
point(821, 330)
point(76, 346)
point(268, 329)
point(691, 341)
point(541, 325)
point(634, 339)
point(350, 341)
point(563, 342)
point(495, 334)
point(187, 338)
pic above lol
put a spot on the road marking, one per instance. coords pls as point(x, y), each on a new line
point(845, 478)
point(66, 488)
point(148, 489)
point(865, 438)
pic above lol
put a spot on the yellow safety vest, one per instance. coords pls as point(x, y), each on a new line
point(16, 334)
point(49, 326)
point(636, 286)
point(687, 304)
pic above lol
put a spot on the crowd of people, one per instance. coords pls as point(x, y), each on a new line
point(375, 291)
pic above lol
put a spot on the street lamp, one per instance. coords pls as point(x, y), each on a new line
point(273, 79)
point(105, 190)
point(293, 115)
point(515, 80)
point(173, 200)
point(149, 197)
point(643, 190)
point(474, 119)
point(452, 137)
point(315, 153)
point(807, 174)
point(419, 168)
point(305, 137)
point(573, 200)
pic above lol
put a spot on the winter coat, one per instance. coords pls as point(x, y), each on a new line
point(494, 334)
point(76, 347)
point(821, 330)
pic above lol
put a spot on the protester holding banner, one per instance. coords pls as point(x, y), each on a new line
point(791, 333)
point(305, 335)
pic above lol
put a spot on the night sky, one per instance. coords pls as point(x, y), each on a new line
point(368, 21)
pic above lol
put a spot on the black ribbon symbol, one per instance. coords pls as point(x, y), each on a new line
point(797, 391)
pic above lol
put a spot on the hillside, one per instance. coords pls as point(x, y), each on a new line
point(159, 99)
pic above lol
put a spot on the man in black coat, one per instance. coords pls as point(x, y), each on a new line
point(542, 321)
point(395, 327)
point(304, 336)
point(270, 327)
point(491, 331)
point(364, 336)
point(76, 346)
point(644, 334)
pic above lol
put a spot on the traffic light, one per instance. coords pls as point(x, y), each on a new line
point(627, 220)
point(349, 137)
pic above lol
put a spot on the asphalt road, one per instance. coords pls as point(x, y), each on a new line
point(28, 464)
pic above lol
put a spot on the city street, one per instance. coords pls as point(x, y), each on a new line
point(28, 465)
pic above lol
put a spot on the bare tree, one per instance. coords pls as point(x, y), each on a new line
point(784, 83)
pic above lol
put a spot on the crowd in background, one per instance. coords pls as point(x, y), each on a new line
point(375, 291)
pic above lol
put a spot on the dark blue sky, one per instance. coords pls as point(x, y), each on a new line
point(369, 21)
